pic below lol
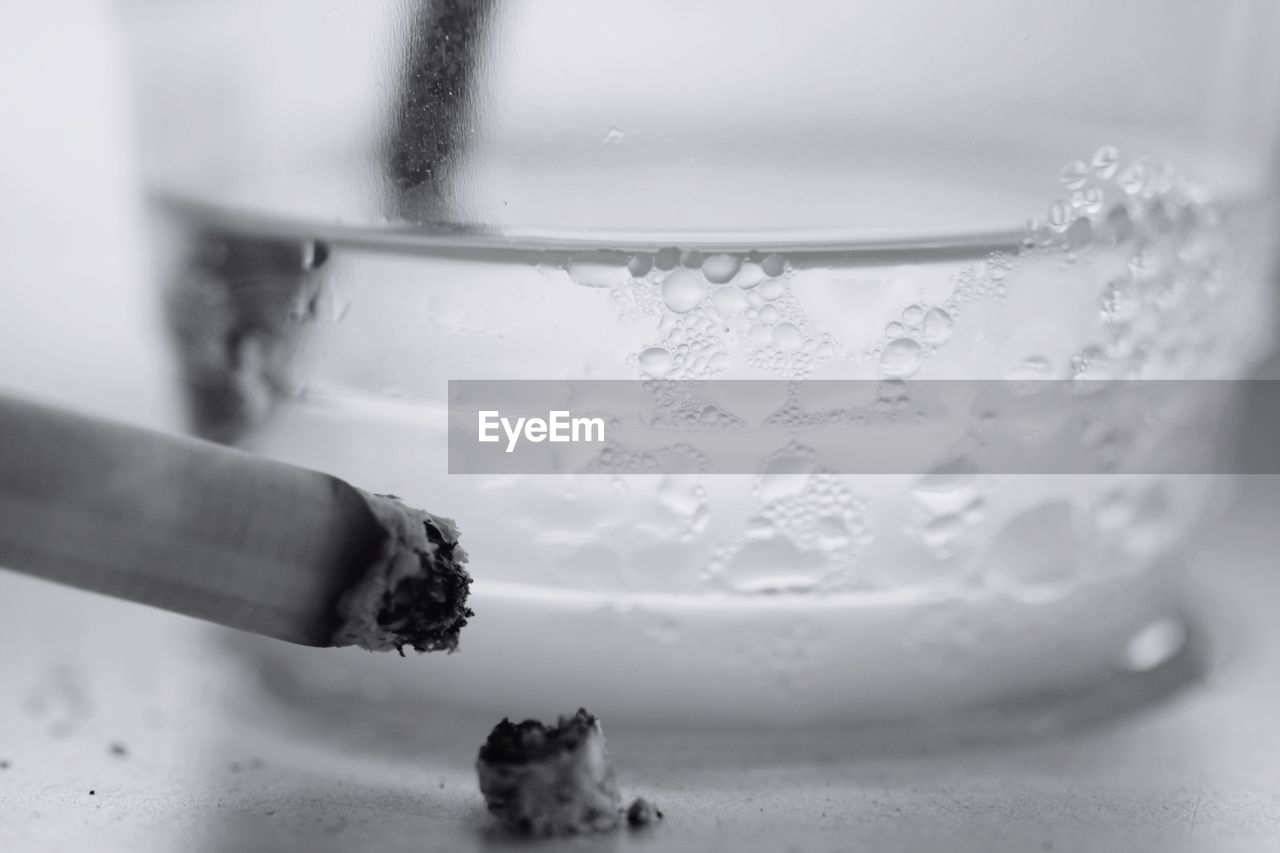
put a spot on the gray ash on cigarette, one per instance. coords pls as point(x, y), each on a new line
point(543, 781)
point(415, 591)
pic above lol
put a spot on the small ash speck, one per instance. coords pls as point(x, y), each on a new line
point(643, 813)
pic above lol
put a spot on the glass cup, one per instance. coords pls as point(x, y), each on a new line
point(357, 203)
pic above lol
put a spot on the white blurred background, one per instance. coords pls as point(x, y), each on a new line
point(78, 315)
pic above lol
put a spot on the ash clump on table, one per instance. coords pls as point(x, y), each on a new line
point(415, 591)
point(541, 780)
point(549, 780)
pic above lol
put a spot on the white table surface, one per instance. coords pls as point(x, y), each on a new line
point(213, 762)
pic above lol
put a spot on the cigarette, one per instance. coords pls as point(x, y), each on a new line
point(215, 533)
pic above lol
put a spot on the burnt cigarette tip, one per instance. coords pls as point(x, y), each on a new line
point(415, 592)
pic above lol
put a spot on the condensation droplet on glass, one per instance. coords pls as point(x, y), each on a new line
point(947, 489)
point(729, 301)
point(787, 337)
point(1093, 200)
point(1079, 234)
point(1074, 175)
point(749, 275)
point(1105, 160)
point(832, 533)
point(784, 476)
point(759, 527)
point(1059, 215)
point(1133, 178)
point(774, 265)
point(667, 259)
point(1031, 368)
point(942, 531)
point(771, 290)
point(656, 361)
point(692, 259)
point(682, 290)
point(1155, 644)
point(591, 272)
point(901, 357)
point(639, 265)
point(937, 326)
point(720, 268)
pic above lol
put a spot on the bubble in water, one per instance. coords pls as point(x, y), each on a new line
point(774, 265)
point(749, 275)
point(656, 361)
point(720, 268)
point(729, 301)
point(937, 327)
point(1074, 175)
point(613, 136)
point(667, 259)
point(1105, 160)
point(768, 314)
point(682, 290)
point(639, 265)
point(912, 315)
point(901, 357)
point(895, 330)
point(787, 337)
